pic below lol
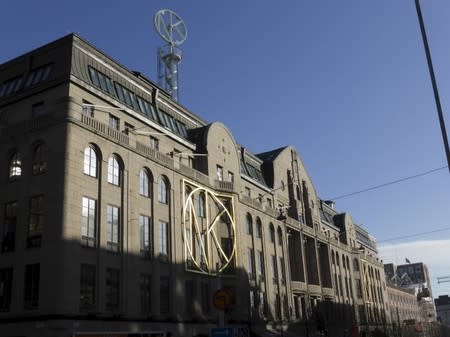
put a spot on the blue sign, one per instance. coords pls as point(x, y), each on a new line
point(221, 332)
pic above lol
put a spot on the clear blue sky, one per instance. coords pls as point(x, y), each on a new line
point(345, 82)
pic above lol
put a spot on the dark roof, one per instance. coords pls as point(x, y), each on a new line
point(270, 155)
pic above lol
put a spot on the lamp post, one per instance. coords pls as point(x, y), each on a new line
point(433, 82)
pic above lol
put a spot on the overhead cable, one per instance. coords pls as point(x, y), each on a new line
point(415, 235)
point(389, 183)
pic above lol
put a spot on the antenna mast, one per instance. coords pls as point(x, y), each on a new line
point(172, 29)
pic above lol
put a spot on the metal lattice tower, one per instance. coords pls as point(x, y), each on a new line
point(171, 27)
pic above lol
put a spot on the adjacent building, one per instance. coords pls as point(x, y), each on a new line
point(442, 304)
point(124, 213)
point(412, 277)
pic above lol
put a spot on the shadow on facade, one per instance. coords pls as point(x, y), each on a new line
point(83, 290)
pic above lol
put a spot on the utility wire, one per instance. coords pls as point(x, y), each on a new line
point(389, 183)
point(415, 235)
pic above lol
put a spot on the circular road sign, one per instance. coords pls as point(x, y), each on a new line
point(222, 299)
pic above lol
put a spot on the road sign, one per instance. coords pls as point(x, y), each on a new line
point(221, 332)
point(222, 299)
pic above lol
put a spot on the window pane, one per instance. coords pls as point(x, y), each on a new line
point(87, 286)
point(90, 162)
point(112, 289)
point(15, 166)
point(31, 286)
point(88, 222)
point(6, 281)
point(163, 240)
point(113, 171)
point(162, 191)
point(112, 218)
point(144, 183)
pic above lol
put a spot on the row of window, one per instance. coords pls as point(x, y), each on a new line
point(25, 81)
point(136, 102)
point(89, 229)
point(88, 294)
point(38, 164)
point(259, 230)
point(30, 288)
point(115, 170)
point(35, 225)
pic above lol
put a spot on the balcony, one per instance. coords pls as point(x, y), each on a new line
point(226, 186)
point(153, 154)
point(251, 202)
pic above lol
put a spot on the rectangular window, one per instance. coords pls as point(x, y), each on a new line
point(87, 109)
point(114, 122)
point(154, 143)
point(248, 192)
point(6, 276)
point(205, 298)
point(163, 238)
point(201, 205)
point(38, 75)
point(145, 235)
point(189, 295)
point(164, 295)
point(147, 108)
point(36, 224)
point(227, 245)
point(87, 287)
point(31, 286)
point(101, 80)
point(260, 264)
point(269, 203)
point(274, 269)
point(358, 288)
point(146, 293)
point(126, 96)
point(9, 227)
point(250, 264)
point(128, 128)
point(112, 290)
point(112, 228)
point(89, 222)
point(230, 177)
point(219, 173)
point(283, 270)
point(37, 110)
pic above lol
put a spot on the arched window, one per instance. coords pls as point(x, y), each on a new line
point(248, 224)
point(144, 183)
point(15, 166)
point(258, 228)
point(90, 162)
point(39, 160)
point(163, 187)
point(113, 171)
point(280, 236)
point(272, 233)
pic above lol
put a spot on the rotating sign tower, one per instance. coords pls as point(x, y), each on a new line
point(172, 29)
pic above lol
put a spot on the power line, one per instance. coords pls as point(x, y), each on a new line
point(389, 183)
point(415, 235)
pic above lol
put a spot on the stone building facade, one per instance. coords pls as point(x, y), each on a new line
point(123, 213)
